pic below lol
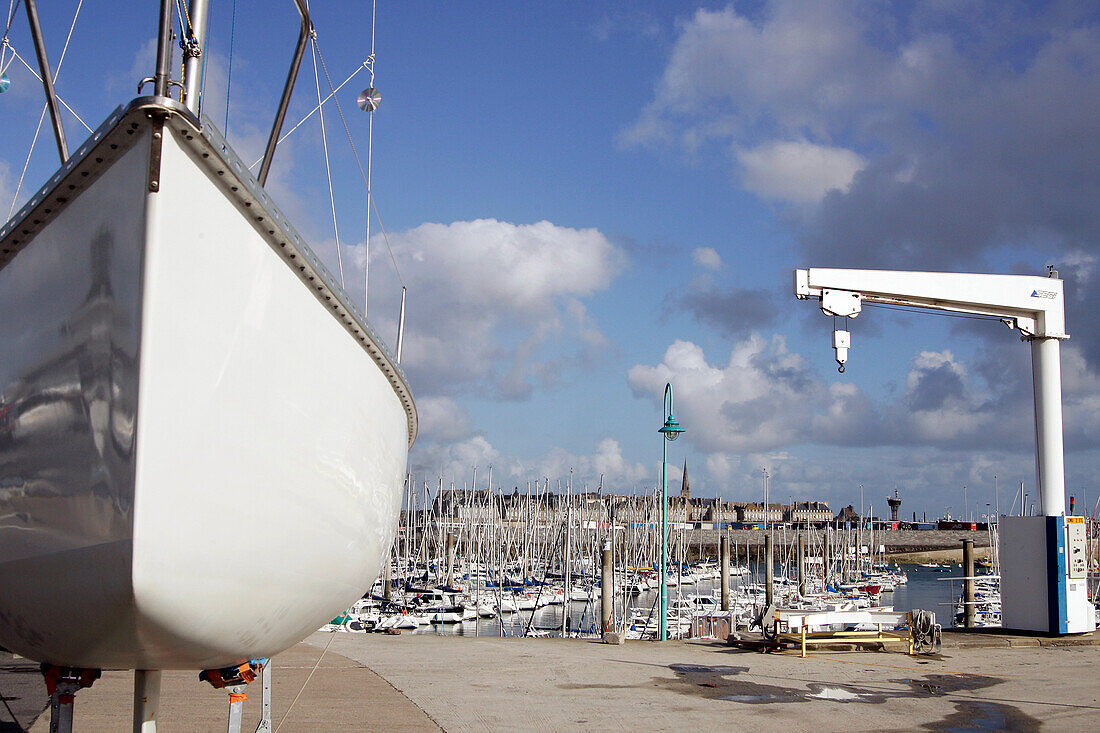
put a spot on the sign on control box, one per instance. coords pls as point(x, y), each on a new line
point(1077, 556)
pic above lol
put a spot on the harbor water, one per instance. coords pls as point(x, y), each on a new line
point(929, 589)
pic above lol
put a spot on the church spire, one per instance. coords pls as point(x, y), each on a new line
point(685, 487)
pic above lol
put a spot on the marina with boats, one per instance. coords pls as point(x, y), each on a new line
point(468, 565)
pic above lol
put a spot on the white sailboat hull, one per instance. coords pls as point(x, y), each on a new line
point(203, 449)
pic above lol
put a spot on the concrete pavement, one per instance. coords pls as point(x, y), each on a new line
point(549, 684)
point(422, 683)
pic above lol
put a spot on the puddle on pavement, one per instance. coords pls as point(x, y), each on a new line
point(942, 684)
point(836, 693)
point(725, 683)
point(703, 669)
point(985, 716)
point(716, 683)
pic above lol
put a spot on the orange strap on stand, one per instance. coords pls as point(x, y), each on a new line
point(54, 674)
point(241, 674)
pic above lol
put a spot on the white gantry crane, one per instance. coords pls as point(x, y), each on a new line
point(1035, 551)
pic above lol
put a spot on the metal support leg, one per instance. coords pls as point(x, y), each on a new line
point(61, 707)
point(265, 705)
point(236, 707)
point(146, 700)
point(62, 683)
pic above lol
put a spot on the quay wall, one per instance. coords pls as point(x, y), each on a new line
point(902, 544)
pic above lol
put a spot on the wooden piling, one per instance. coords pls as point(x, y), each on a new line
point(724, 556)
point(968, 584)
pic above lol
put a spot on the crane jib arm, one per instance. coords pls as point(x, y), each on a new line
point(1032, 304)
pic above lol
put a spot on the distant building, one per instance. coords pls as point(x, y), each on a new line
point(809, 511)
point(755, 513)
point(848, 514)
point(596, 509)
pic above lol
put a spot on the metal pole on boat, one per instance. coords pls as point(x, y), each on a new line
point(400, 324)
point(146, 700)
point(164, 50)
point(769, 570)
point(968, 583)
point(801, 564)
point(724, 561)
point(192, 55)
point(288, 88)
point(47, 79)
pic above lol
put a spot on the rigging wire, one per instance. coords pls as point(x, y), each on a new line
point(366, 176)
point(370, 154)
point(13, 8)
point(308, 678)
point(187, 35)
point(229, 72)
point(302, 121)
point(59, 98)
point(202, 73)
point(42, 117)
point(328, 166)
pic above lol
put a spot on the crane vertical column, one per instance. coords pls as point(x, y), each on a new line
point(1050, 461)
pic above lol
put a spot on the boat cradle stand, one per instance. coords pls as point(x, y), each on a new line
point(233, 680)
point(802, 637)
point(63, 683)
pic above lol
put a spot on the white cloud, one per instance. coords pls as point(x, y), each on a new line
point(762, 398)
point(456, 460)
point(606, 461)
point(442, 419)
point(1082, 263)
point(929, 360)
point(797, 171)
point(495, 304)
point(706, 258)
point(719, 467)
point(728, 74)
point(453, 461)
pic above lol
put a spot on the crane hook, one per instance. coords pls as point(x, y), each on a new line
point(840, 368)
point(842, 341)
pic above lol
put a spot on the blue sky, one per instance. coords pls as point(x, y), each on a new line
point(587, 200)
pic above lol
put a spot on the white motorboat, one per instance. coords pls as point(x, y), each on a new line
point(203, 440)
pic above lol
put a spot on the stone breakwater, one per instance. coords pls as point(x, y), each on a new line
point(904, 545)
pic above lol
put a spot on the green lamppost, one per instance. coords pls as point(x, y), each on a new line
point(671, 430)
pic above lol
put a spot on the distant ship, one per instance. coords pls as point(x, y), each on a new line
point(203, 442)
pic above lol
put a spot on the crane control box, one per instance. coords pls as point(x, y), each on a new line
point(1044, 572)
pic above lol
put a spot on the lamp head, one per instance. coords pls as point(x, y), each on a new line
point(671, 429)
